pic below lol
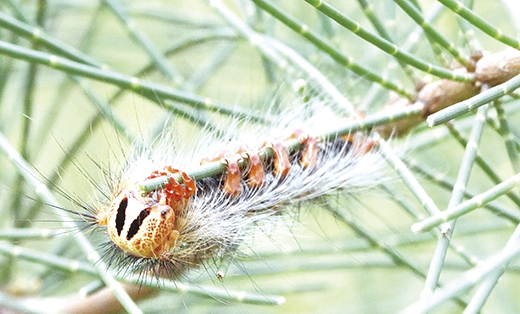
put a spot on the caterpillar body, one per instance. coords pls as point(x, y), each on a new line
point(181, 225)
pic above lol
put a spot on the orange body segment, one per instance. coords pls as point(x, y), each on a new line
point(310, 153)
point(232, 182)
point(256, 172)
point(282, 164)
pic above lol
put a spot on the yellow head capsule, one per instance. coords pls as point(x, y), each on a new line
point(141, 225)
point(144, 225)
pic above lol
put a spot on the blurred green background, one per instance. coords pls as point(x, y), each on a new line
point(317, 262)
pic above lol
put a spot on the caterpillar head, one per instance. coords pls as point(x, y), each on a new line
point(142, 226)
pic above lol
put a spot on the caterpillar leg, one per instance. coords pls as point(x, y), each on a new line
point(232, 182)
point(256, 172)
point(310, 153)
point(309, 157)
point(232, 185)
point(364, 144)
point(175, 192)
point(233, 176)
point(256, 177)
point(282, 164)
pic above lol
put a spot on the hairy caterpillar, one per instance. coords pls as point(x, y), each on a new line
point(220, 240)
point(434, 95)
point(169, 230)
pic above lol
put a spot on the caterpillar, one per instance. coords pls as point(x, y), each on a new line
point(185, 222)
point(177, 227)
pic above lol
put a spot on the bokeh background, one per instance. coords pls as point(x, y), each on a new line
point(359, 256)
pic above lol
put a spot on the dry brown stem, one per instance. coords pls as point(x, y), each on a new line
point(490, 70)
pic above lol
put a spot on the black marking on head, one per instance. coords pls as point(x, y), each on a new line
point(136, 224)
point(121, 215)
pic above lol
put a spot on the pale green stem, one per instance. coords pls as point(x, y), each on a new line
point(146, 44)
point(432, 34)
point(461, 183)
point(327, 47)
point(503, 129)
point(390, 251)
point(479, 298)
point(385, 45)
point(92, 255)
point(484, 165)
point(282, 56)
point(17, 304)
point(465, 281)
point(438, 178)
point(473, 103)
point(27, 233)
point(73, 266)
point(216, 168)
point(480, 23)
point(467, 206)
point(408, 178)
point(137, 85)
